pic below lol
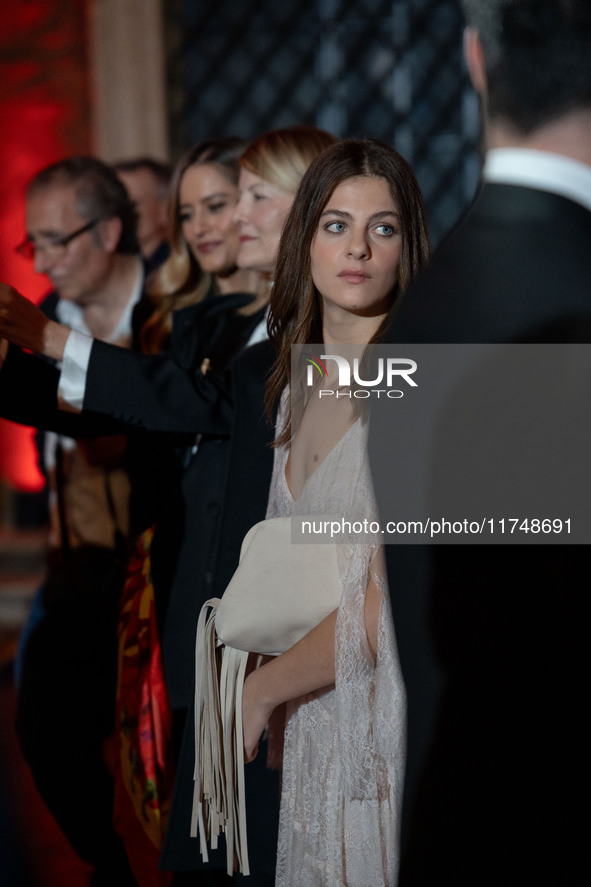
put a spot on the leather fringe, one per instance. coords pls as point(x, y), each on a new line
point(219, 803)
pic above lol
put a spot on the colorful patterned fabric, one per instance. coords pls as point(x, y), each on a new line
point(144, 768)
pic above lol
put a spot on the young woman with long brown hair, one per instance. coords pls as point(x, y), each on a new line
point(355, 237)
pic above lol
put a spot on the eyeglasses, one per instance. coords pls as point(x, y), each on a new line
point(54, 247)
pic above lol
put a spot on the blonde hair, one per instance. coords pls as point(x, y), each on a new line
point(282, 156)
point(180, 281)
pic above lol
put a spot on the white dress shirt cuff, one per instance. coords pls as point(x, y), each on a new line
point(72, 381)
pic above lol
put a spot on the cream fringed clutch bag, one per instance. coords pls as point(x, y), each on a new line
point(279, 592)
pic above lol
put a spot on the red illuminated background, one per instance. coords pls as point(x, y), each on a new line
point(44, 109)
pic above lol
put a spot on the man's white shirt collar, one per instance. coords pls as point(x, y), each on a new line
point(72, 315)
point(72, 381)
point(539, 169)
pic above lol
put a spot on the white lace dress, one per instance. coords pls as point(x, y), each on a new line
point(344, 747)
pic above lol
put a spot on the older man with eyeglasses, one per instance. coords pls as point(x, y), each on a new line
point(81, 233)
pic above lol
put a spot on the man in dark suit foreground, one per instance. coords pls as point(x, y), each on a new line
point(492, 638)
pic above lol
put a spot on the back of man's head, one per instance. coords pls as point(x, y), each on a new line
point(537, 57)
point(147, 182)
point(99, 194)
point(161, 172)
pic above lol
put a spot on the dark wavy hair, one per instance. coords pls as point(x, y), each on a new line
point(99, 194)
point(295, 311)
point(537, 56)
point(162, 172)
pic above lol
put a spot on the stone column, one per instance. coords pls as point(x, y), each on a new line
point(128, 79)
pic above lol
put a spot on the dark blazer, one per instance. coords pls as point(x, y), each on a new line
point(234, 456)
point(251, 458)
point(225, 486)
point(248, 462)
point(492, 639)
point(28, 393)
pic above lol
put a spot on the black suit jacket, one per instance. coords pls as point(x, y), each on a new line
point(234, 457)
point(492, 639)
point(204, 571)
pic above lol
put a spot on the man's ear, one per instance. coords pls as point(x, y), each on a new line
point(474, 57)
point(109, 231)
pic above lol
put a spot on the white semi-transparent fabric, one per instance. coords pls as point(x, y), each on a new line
point(344, 747)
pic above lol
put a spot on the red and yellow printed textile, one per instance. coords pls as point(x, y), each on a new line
point(144, 770)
